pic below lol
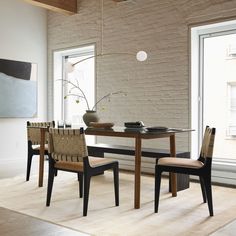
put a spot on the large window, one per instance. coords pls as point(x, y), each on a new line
point(213, 87)
point(72, 109)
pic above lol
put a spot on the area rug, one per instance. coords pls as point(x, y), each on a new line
point(182, 215)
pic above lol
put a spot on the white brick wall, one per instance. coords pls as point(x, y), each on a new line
point(158, 89)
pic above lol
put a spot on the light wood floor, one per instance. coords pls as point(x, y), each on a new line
point(13, 223)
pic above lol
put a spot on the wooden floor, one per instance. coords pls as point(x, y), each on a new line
point(13, 223)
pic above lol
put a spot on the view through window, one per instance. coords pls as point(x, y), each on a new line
point(83, 75)
point(73, 107)
point(213, 87)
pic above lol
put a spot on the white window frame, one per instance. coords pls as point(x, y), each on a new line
point(59, 57)
point(197, 46)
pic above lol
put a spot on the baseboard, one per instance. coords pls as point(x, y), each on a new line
point(224, 171)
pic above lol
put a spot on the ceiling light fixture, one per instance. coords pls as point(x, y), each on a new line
point(140, 55)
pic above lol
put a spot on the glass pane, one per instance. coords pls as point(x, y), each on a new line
point(219, 72)
point(84, 74)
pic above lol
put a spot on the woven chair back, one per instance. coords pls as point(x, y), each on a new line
point(67, 144)
point(207, 144)
point(34, 134)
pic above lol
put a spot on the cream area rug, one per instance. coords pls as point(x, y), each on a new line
point(182, 215)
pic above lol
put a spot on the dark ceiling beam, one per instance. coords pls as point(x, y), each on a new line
point(62, 6)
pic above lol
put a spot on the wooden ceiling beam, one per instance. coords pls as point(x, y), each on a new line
point(68, 7)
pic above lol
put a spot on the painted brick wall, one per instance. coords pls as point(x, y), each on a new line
point(158, 89)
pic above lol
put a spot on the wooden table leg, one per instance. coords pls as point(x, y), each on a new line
point(173, 175)
point(137, 182)
point(41, 158)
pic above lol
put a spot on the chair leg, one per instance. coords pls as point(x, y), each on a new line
point(81, 180)
point(157, 187)
point(51, 174)
point(78, 176)
point(29, 161)
point(116, 183)
point(87, 179)
point(56, 172)
point(207, 181)
point(203, 189)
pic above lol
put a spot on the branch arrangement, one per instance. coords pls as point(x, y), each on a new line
point(77, 92)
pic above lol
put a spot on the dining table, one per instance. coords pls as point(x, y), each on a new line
point(122, 132)
point(138, 134)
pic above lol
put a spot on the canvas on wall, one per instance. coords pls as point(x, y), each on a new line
point(18, 89)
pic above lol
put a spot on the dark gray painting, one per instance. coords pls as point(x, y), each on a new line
point(18, 89)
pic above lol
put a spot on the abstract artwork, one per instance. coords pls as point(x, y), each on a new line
point(18, 89)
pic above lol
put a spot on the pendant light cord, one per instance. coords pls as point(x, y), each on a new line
point(102, 11)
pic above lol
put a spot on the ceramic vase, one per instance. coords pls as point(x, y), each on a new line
point(90, 116)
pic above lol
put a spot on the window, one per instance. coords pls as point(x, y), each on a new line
point(67, 109)
point(212, 68)
point(84, 72)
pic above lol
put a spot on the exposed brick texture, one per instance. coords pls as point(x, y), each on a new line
point(158, 89)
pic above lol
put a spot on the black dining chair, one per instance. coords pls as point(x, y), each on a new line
point(34, 142)
point(200, 167)
point(68, 152)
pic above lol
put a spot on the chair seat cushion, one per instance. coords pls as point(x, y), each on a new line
point(37, 147)
point(78, 166)
point(98, 161)
point(68, 165)
point(180, 162)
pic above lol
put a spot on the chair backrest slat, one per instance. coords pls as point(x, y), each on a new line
point(67, 144)
point(207, 144)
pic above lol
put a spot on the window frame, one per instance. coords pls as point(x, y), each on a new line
point(59, 58)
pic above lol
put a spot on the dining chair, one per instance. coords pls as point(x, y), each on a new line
point(34, 142)
point(68, 152)
point(200, 167)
